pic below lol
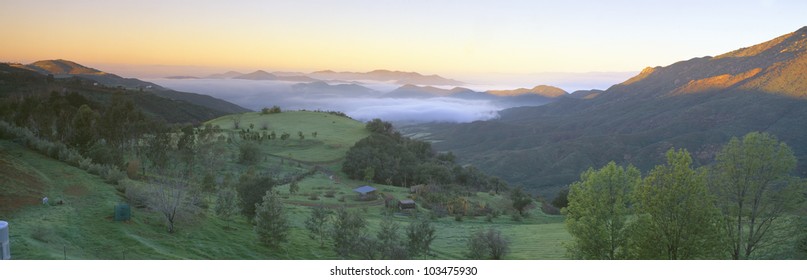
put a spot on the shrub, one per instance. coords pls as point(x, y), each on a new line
point(137, 196)
point(84, 164)
point(249, 153)
point(313, 196)
point(489, 244)
point(113, 175)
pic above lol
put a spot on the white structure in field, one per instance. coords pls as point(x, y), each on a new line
point(5, 251)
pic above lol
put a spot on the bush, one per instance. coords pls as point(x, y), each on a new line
point(136, 196)
point(488, 244)
point(113, 175)
point(249, 153)
point(273, 110)
point(313, 196)
point(549, 209)
point(84, 164)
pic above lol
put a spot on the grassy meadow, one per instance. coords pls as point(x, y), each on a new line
point(83, 227)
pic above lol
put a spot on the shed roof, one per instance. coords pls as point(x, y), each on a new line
point(406, 201)
point(364, 189)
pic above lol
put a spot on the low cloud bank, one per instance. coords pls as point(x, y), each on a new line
point(361, 105)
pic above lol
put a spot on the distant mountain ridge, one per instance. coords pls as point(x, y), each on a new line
point(515, 99)
point(398, 77)
point(542, 90)
point(698, 104)
point(61, 68)
point(778, 66)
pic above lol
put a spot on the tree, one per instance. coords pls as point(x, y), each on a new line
point(369, 174)
point(236, 121)
point(317, 224)
point(249, 153)
point(520, 200)
point(167, 198)
point(488, 244)
point(379, 126)
point(186, 146)
point(389, 240)
point(347, 232)
point(677, 216)
point(562, 199)
point(420, 235)
point(597, 212)
point(271, 223)
point(294, 187)
point(751, 179)
point(84, 128)
point(158, 148)
point(227, 204)
point(250, 191)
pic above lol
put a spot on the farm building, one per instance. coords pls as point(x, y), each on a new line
point(365, 192)
point(406, 204)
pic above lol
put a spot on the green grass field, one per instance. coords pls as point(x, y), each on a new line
point(335, 134)
point(83, 227)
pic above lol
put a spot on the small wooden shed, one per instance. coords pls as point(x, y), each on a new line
point(406, 204)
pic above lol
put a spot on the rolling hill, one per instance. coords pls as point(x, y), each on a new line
point(63, 69)
point(16, 81)
point(697, 104)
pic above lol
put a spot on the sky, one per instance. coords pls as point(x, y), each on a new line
point(451, 38)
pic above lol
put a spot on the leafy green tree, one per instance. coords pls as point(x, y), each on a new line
point(84, 125)
point(755, 191)
point(294, 187)
point(677, 216)
point(227, 204)
point(520, 200)
point(317, 224)
point(369, 174)
point(379, 126)
point(597, 212)
point(389, 240)
point(271, 222)
point(562, 199)
point(158, 149)
point(488, 244)
point(250, 190)
point(249, 153)
point(348, 232)
point(186, 147)
point(420, 235)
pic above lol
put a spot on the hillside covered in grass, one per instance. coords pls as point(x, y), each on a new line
point(197, 166)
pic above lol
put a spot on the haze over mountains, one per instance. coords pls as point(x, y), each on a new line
point(697, 104)
point(375, 94)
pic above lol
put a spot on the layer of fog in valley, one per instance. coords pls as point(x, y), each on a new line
point(365, 100)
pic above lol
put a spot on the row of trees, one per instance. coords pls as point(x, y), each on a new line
point(732, 209)
point(101, 131)
point(346, 231)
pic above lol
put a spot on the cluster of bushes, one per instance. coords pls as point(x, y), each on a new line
point(274, 110)
point(59, 151)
